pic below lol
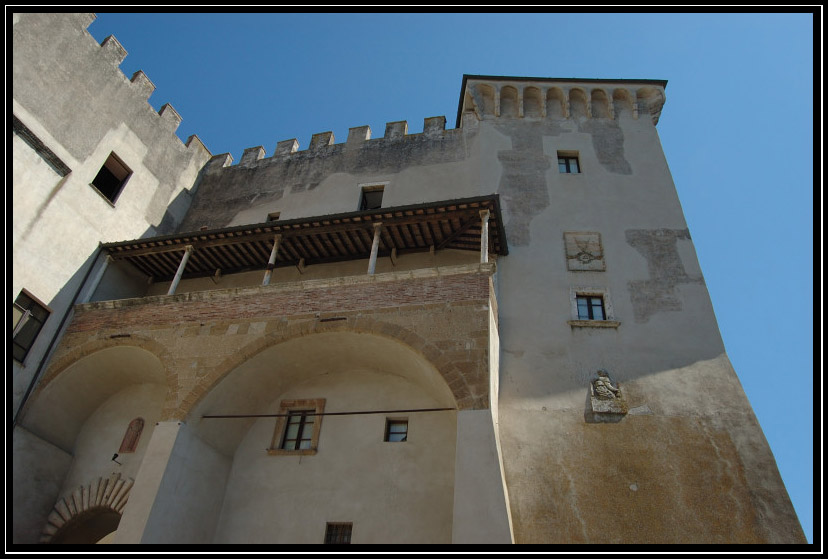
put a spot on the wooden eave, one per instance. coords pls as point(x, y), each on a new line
point(452, 224)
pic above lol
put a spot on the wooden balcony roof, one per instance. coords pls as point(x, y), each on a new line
point(453, 224)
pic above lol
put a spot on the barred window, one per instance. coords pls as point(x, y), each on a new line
point(338, 532)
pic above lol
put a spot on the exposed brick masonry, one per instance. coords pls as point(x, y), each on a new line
point(274, 301)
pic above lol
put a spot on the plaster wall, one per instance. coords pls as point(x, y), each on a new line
point(666, 353)
point(101, 435)
point(189, 498)
point(70, 95)
point(392, 492)
point(325, 180)
point(38, 470)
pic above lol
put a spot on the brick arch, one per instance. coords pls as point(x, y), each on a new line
point(467, 394)
point(110, 493)
point(76, 353)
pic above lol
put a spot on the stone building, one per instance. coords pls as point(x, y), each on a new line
point(492, 333)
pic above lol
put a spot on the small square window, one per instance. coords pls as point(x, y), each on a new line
point(396, 430)
point(273, 216)
point(338, 532)
point(568, 163)
point(371, 198)
point(28, 316)
point(298, 426)
point(112, 177)
point(590, 307)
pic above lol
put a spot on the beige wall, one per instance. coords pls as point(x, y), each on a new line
point(392, 492)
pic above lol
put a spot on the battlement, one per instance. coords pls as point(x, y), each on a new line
point(490, 97)
point(113, 53)
point(323, 143)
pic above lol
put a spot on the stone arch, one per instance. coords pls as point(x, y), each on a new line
point(600, 104)
point(103, 496)
point(555, 103)
point(459, 376)
point(532, 102)
point(622, 103)
point(469, 104)
point(508, 102)
point(80, 380)
point(487, 96)
point(76, 352)
point(578, 104)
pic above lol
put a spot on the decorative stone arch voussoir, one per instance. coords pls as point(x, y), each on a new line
point(102, 494)
point(464, 394)
point(72, 356)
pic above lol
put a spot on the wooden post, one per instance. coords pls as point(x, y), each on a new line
point(271, 263)
point(372, 263)
point(187, 250)
point(484, 236)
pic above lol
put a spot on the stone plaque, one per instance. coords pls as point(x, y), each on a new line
point(584, 252)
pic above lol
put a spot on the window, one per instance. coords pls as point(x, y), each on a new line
point(568, 162)
point(133, 433)
point(299, 430)
point(590, 307)
point(273, 216)
point(297, 427)
point(338, 532)
point(112, 177)
point(28, 316)
point(371, 198)
point(396, 430)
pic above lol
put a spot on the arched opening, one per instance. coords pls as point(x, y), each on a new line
point(393, 491)
point(623, 105)
point(88, 527)
point(578, 103)
point(555, 103)
point(487, 97)
point(600, 104)
point(532, 102)
point(508, 102)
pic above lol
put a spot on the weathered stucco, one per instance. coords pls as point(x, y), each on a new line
point(519, 455)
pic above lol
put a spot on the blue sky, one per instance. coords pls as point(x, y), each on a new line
point(737, 131)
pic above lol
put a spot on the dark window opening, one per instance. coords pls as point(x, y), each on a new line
point(338, 532)
point(568, 163)
point(298, 430)
point(590, 307)
point(273, 216)
point(29, 316)
point(371, 198)
point(396, 430)
point(112, 177)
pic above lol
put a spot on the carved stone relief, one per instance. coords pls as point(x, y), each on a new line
point(606, 400)
point(584, 251)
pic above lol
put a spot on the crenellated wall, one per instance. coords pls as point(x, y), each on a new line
point(326, 177)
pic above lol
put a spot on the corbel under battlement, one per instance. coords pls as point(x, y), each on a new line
point(505, 97)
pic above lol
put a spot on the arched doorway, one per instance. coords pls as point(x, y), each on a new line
point(90, 526)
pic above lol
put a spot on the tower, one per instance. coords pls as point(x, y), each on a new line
point(493, 333)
